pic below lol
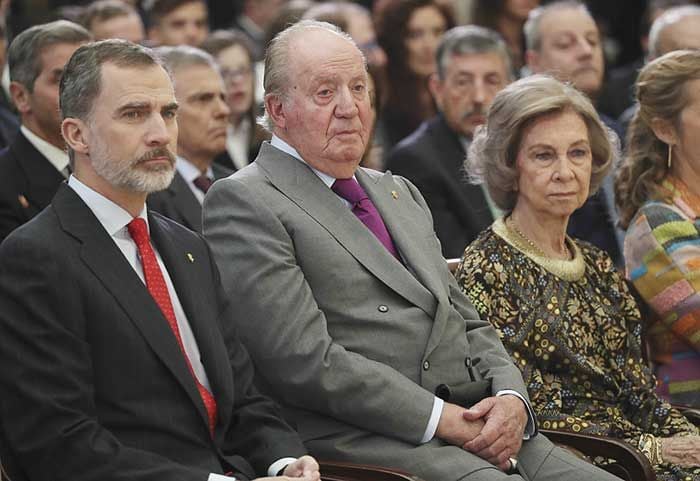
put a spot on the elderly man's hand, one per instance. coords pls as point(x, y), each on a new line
point(305, 468)
point(454, 428)
point(502, 435)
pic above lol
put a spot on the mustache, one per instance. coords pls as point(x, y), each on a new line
point(477, 110)
point(159, 152)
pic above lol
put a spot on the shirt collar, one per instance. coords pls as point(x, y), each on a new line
point(188, 170)
point(57, 157)
point(288, 149)
point(112, 217)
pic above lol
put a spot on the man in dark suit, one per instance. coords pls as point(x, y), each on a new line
point(35, 162)
point(473, 66)
point(202, 121)
point(118, 359)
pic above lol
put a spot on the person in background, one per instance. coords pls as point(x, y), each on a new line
point(409, 32)
point(176, 22)
point(473, 65)
point(35, 162)
point(9, 123)
point(658, 195)
point(202, 119)
point(562, 310)
point(255, 19)
point(243, 134)
point(113, 19)
point(356, 21)
point(506, 17)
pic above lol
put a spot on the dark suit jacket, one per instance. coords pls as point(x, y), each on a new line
point(432, 158)
point(258, 135)
point(28, 182)
point(94, 385)
point(9, 126)
point(178, 203)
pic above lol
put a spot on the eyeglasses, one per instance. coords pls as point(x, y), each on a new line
point(230, 75)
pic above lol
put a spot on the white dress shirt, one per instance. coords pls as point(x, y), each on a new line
point(57, 157)
point(190, 172)
point(438, 403)
point(115, 219)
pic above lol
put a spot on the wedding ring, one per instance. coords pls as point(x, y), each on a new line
point(513, 464)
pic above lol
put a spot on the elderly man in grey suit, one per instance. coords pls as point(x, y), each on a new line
point(348, 309)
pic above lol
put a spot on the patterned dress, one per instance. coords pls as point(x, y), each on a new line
point(662, 259)
point(573, 329)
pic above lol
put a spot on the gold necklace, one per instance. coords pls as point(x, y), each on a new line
point(529, 241)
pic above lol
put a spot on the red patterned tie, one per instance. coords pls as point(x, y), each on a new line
point(159, 290)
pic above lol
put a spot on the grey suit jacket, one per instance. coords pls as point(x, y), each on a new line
point(351, 341)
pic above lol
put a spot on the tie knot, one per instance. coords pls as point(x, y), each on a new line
point(349, 190)
point(203, 182)
point(138, 230)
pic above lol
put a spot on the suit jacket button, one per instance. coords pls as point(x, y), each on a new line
point(426, 365)
point(383, 308)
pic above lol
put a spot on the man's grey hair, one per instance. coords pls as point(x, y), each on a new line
point(667, 19)
point(277, 60)
point(24, 54)
point(531, 29)
point(82, 77)
point(185, 56)
point(471, 40)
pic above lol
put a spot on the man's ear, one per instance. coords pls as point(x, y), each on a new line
point(436, 87)
point(274, 106)
point(20, 97)
point(664, 130)
point(74, 134)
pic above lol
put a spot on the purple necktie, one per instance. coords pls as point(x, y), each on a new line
point(364, 209)
point(203, 183)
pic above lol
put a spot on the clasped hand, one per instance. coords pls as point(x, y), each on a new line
point(303, 469)
point(491, 429)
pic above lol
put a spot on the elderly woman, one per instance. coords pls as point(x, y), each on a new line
point(563, 312)
point(658, 195)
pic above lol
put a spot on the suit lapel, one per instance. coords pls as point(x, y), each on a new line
point(186, 203)
point(107, 263)
point(185, 273)
point(305, 189)
point(42, 177)
point(398, 221)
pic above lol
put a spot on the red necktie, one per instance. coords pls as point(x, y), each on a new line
point(364, 209)
point(159, 290)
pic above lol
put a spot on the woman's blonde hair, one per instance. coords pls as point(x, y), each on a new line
point(661, 94)
point(494, 149)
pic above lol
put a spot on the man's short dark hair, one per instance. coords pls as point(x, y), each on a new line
point(24, 54)
point(103, 10)
point(82, 76)
point(156, 9)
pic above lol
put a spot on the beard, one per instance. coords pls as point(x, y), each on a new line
point(133, 175)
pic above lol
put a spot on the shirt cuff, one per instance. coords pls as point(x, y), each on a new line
point(220, 477)
point(433, 421)
point(278, 466)
point(530, 426)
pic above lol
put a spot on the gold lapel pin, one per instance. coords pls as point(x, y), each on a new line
point(394, 194)
point(190, 257)
point(23, 201)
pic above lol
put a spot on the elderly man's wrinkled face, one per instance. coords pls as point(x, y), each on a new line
point(571, 50)
point(326, 113)
point(554, 165)
point(470, 84)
